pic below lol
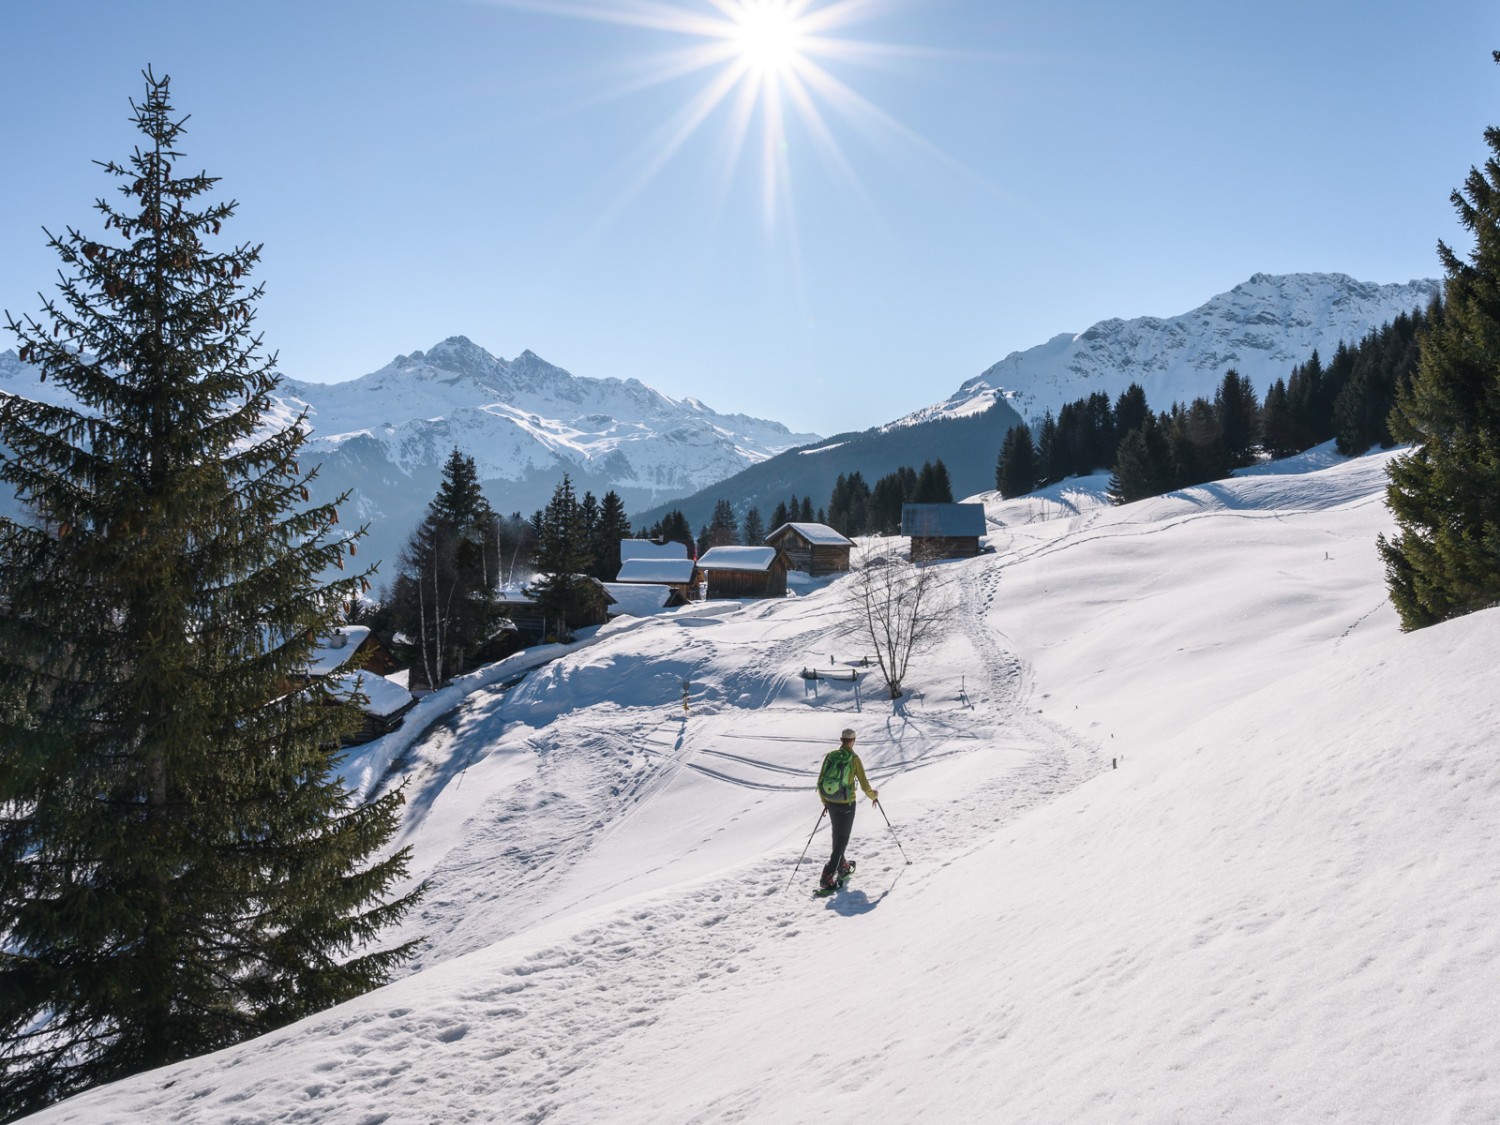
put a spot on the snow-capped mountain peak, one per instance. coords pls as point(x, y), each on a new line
point(1262, 328)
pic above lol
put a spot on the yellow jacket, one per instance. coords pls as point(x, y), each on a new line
point(857, 770)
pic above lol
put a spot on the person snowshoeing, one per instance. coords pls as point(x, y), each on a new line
point(841, 769)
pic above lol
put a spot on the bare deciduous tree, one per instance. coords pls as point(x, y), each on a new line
point(899, 608)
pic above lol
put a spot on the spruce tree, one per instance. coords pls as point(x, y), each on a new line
point(890, 494)
point(1016, 468)
point(1050, 468)
point(562, 559)
point(933, 486)
point(1238, 413)
point(444, 596)
point(1278, 427)
point(1444, 560)
point(1131, 410)
point(179, 866)
point(755, 528)
point(1143, 464)
point(723, 529)
point(612, 527)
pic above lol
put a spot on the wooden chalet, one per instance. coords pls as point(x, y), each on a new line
point(813, 548)
point(641, 599)
point(744, 572)
point(534, 626)
point(678, 574)
point(383, 703)
point(943, 531)
point(352, 644)
point(652, 549)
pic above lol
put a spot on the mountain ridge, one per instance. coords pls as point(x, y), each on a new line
point(1262, 328)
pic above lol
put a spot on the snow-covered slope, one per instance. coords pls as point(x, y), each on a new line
point(1279, 907)
point(1262, 328)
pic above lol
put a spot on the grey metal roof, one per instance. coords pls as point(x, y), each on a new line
point(943, 521)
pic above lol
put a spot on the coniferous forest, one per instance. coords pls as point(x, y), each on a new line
point(1348, 401)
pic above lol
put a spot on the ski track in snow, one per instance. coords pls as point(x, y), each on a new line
point(545, 1016)
point(578, 976)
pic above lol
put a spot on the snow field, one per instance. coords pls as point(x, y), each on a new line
point(1278, 908)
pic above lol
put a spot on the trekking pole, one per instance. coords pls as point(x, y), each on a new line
point(805, 846)
point(892, 827)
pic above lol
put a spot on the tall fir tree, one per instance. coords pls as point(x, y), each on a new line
point(723, 529)
point(933, 486)
point(180, 868)
point(445, 592)
point(613, 525)
point(1238, 413)
point(1050, 451)
point(1278, 426)
point(891, 492)
point(755, 528)
point(1444, 559)
point(1143, 463)
point(849, 504)
point(1016, 468)
point(562, 560)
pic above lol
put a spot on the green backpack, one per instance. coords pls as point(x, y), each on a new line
point(835, 780)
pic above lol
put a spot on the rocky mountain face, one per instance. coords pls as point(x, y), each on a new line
point(1261, 328)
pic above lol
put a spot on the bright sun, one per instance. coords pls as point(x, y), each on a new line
point(768, 35)
point(762, 58)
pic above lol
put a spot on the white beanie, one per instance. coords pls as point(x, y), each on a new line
point(848, 734)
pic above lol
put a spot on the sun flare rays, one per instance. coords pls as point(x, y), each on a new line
point(764, 65)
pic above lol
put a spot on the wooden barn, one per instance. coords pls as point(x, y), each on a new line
point(744, 572)
point(943, 531)
point(641, 599)
point(534, 626)
point(679, 574)
point(652, 549)
point(351, 644)
point(813, 548)
point(384, 703)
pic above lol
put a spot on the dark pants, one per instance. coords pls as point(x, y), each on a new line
point(841, 819)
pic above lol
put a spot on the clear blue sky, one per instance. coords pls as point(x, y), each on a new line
point(423, 168)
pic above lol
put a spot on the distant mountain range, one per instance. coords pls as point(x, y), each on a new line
point(1262, 328)
point(384, 437)
point(526, 422)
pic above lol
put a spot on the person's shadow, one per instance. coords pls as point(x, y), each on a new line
point(853, 902)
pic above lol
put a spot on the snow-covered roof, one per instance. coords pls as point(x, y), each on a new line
point(385, 698)
point(818, 534)
point(737, 558)
point(656, 570)
point(336, 648)
point(943, 521)
point(650, 549)
point(638, 599)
